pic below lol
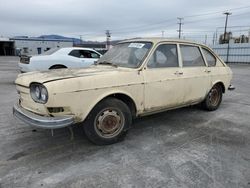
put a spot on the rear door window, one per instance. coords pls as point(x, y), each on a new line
point(84, 54)
point(75, 53)
point(191, 56)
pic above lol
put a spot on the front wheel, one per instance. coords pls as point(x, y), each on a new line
point(213, 98)
point(108, 122)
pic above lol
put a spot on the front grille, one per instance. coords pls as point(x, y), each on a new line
point(56, 109)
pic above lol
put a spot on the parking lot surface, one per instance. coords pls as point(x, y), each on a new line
point(187, 147)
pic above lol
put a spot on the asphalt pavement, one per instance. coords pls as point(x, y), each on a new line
point(188, 147)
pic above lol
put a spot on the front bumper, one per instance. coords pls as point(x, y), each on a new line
point(231, 87)
point(42, 121)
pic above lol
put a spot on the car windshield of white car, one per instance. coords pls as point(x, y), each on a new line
point(128, 54)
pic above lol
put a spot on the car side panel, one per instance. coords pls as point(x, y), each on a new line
point(220, 74)
point(196, 83)
point(81, 103)
point(163, 88)
point(80, 96)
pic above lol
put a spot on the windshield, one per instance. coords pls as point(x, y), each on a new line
point(128, 54)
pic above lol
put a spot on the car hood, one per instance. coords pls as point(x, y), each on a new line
point(62, 74)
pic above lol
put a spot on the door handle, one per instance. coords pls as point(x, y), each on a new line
point(178, 73)
point(207, 71)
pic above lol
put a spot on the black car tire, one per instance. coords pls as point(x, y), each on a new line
point(108, 122)
point(213, 98)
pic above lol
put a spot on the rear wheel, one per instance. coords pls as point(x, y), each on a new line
point(58, 67)
point(213, 98)
point(108, 122)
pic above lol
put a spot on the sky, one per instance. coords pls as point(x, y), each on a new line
point(125, 19)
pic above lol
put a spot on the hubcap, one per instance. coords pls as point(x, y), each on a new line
point(214, 97)
point(109, 123)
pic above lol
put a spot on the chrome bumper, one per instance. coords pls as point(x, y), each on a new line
point(231, 87)
point(41, 121)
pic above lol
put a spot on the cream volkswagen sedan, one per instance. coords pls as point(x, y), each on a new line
point(136, 77)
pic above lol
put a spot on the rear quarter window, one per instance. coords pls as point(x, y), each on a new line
point(211, 60)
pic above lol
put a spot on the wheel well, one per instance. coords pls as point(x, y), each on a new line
point(221, 85)
point(127, 100)
point(57, 66)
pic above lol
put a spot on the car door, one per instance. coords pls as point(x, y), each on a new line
point(163, 79)
point(75, 59)
point(214, 68)
point(195, 73)
point(88, 57)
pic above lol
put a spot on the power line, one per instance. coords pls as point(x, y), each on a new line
point(144, 26)
point(162, 24)
point(217, 12)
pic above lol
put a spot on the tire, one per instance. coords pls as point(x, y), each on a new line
point(108, 122)
point(213, 98)
point(58, 67)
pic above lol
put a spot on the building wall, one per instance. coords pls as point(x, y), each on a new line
point(38, 46)
point(233, 52)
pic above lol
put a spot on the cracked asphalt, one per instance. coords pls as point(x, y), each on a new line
point(187, 147)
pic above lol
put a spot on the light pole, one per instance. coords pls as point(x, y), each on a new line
point(225, 30)
point(108, 36)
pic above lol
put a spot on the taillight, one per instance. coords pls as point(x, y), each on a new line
point(25, 59)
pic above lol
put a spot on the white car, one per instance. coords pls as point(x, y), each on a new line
point(71, 57)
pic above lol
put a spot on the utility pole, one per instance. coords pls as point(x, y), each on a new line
point(214, 38)
point(80, 39)
point(162, 33)
point(108, 36)
point(225, 30)
point(180, 24)
point(205, 39)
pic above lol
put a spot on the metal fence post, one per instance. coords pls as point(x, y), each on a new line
point(227, 52)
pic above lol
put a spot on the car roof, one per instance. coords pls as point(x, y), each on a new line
point(75, 48)
point(161, 39)
point(66, 50)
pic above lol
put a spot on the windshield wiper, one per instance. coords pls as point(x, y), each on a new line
point(105, 63)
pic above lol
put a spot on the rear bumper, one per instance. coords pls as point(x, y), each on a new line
point(26, 67)
point(41, 121)
point(231, 87)
point(23, 67)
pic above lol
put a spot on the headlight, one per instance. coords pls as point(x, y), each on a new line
point(38, 93)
